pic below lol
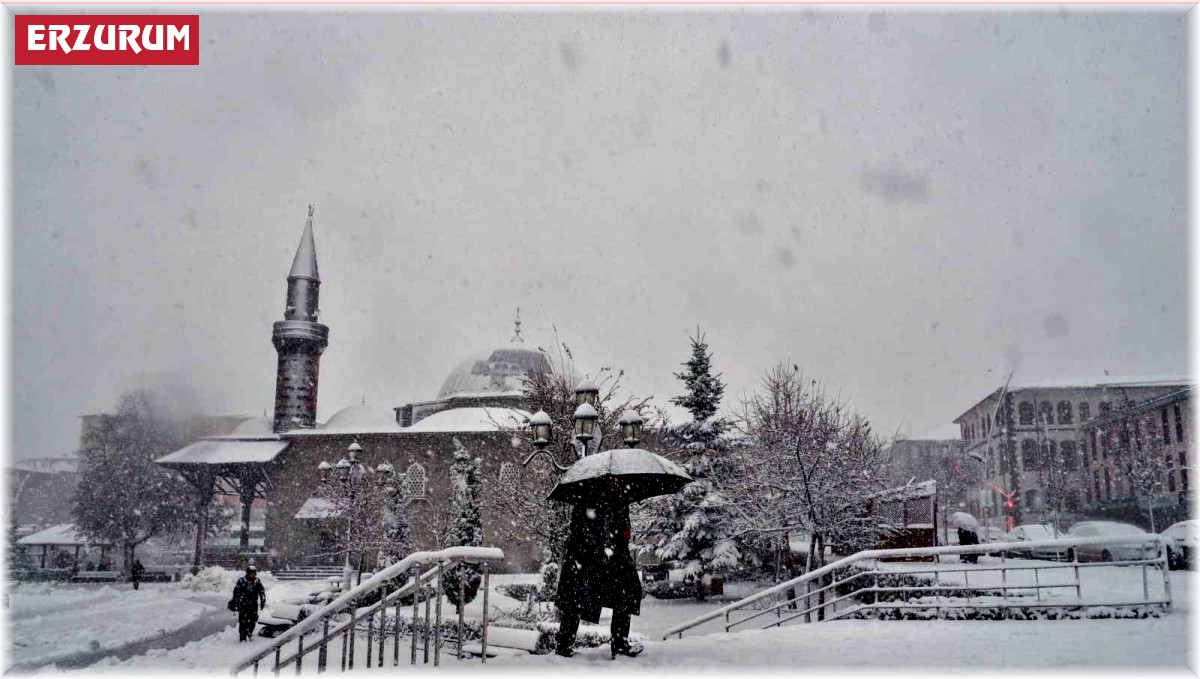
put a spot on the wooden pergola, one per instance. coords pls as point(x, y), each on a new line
point(226, 465)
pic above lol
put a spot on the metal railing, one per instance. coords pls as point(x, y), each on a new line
point(344, 618)
point(863, 582)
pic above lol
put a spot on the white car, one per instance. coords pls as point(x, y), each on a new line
point(1183, 538)
point(1036, 532)
point(1101, 551)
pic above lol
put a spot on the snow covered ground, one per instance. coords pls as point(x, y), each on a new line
point(46, 622)
point(1160, 643)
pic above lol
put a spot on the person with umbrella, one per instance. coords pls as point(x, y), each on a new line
point(968, 533)
point(598, 569)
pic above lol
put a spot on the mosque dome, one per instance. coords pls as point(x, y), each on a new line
point(499, 371)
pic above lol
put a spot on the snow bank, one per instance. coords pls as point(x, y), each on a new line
point(211, 579)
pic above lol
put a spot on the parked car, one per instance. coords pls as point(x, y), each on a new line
point(1036, 532)
point(1101, 551)
point(1183, 538)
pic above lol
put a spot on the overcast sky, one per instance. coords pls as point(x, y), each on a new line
point(906, 204)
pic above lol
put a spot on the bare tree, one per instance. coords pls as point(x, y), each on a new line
point(809, 465)
point(1139, 452)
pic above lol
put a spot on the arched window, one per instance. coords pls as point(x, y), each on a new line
point(1047, 460)
point(1085, 411)
point(414, 481)
point(1105, 409)
point(1046, 412)
point(509, 474)
point(1070, 459)
point(1107, 485)
point(1025, 412)
point(1065, 416)
point(1029, 455)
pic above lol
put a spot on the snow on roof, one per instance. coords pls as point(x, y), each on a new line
point(62, 534)
point(254, 426)
point(499, 370)
point(226, 450)
point(360, 419)
point(471, 419)
point(316, 508)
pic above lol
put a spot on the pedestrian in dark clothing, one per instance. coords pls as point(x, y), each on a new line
point(248, 597)
point(136, 572)
point(967, 536)
point(598, 572)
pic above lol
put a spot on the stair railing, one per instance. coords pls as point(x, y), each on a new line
point(331, 621)
point(1016, 588)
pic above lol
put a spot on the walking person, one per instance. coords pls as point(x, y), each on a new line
point(136, 571)
point(249, 597)
point(598, 572)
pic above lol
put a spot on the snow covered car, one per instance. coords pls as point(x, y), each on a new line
point(1101, 551)
point(1037, 532)
point(1182, 541)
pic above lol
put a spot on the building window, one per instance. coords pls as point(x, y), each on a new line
point(1029, 454)
point(1072, 500)
point(1087, 495)
point(1104, 444)
point(510, 474)
point(1069, 458)
point(1166, 427)
point(1105, 409)
point(1047, 457)
point(1025, 412)
point(1033, 499)
point(1183, 472)
point(1046, 412)
point(1085, 411)
point(1178, 425)
point(1096, 483)
point(1107, 484)
point(1065, 416)
point(414, 481)
point(1171, 482)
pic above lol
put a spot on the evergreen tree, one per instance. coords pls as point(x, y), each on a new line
point(17, 559)
point(465, 479)
point(692, 529)
point(703, 389)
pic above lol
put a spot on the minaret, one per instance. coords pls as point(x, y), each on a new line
point(299, 339)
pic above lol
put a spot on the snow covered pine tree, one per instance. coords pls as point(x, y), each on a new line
point(692, 529)
point(465, 480)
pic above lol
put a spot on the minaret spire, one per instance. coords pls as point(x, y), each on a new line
point(517, 339)
point(299, 340)
point(305, 263)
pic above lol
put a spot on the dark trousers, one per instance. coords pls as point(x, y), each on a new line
point(569, 626)
point(136, 582)
point(246, 622)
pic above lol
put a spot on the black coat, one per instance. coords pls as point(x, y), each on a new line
point(136, 570)
point(599, 571)
point(248, 596)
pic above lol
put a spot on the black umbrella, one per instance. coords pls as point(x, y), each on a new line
point(621, 476)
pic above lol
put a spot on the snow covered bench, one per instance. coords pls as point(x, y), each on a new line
point(506, 641)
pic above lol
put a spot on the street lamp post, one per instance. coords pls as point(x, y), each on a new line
point(349, 473)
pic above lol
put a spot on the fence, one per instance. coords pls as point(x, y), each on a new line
point(1016, 579)
point(343, 617)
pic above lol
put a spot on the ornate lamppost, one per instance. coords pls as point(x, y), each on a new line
point(349, 472)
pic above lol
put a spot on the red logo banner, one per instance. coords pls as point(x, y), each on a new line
point(107, 40)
